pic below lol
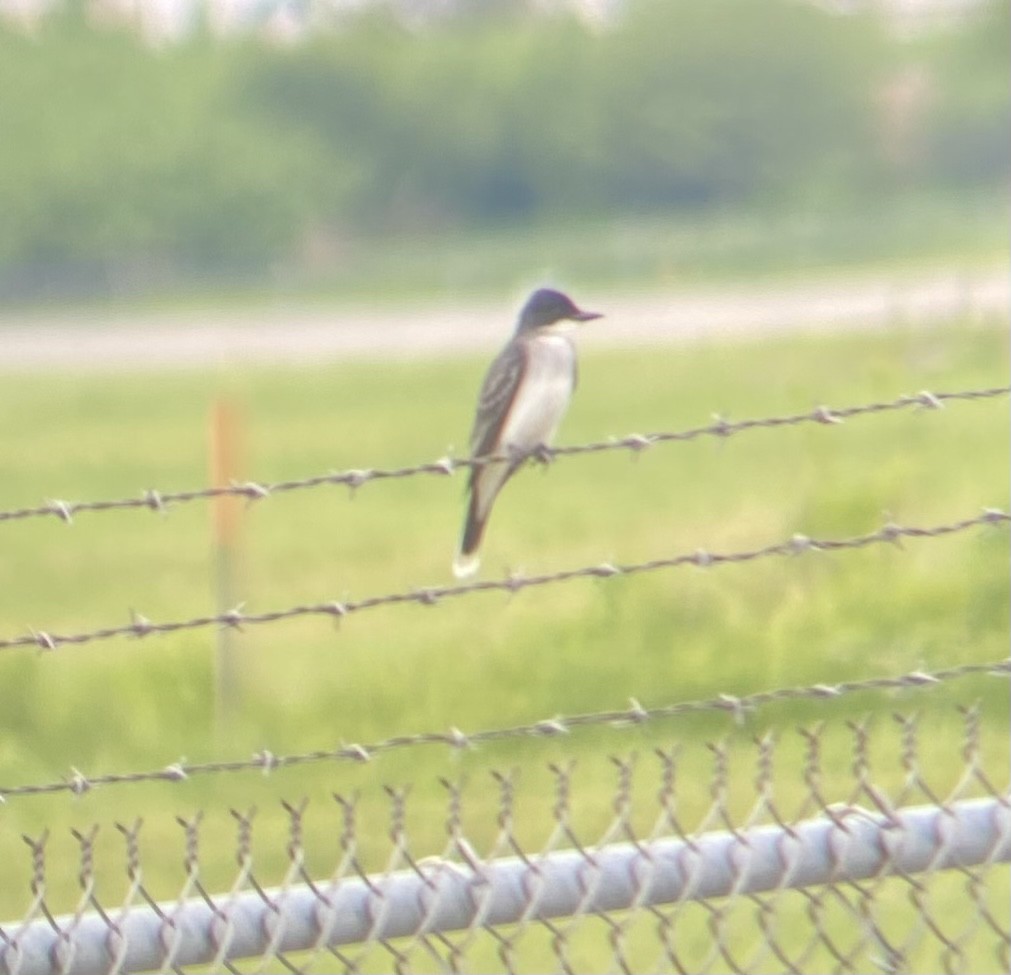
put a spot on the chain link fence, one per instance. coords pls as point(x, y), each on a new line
point(852, 845)
point(816, 871)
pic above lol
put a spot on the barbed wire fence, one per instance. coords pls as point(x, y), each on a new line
point(842, 871)
point(141, 626)
point(161, 501)
point(635, 714)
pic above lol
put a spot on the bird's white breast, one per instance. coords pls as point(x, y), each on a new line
point(544, 394)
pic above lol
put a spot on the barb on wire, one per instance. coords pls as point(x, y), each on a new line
point(633, 715)
point(154, 500)
point(141, 626)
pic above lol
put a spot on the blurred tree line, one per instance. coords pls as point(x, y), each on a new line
point(207, 155)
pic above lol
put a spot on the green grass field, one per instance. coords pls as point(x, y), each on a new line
point(661, 250)
point(644, 251)
point(491, 660)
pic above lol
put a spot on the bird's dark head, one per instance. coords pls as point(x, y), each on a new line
point(546, 307)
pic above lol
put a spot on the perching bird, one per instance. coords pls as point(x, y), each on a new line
point(523, 399)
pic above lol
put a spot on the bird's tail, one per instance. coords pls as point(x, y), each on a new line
point(467, 559)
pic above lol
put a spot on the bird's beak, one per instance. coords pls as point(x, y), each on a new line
point(585, 316)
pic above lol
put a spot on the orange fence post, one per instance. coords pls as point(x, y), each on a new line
point(226, 522)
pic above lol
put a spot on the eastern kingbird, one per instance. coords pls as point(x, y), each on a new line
point(523, 399)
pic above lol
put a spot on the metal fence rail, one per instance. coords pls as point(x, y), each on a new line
point(439, 896)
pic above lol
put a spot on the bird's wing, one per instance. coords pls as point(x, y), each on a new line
point(500, 384)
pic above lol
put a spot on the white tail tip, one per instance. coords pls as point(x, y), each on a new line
point(465, 566)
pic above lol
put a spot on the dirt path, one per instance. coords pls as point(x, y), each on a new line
point(157, 340)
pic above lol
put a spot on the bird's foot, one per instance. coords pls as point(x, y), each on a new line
point(542, 454)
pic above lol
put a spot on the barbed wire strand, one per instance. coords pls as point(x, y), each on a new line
point(798, 544)
point(156, 500)
point(739, 707)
